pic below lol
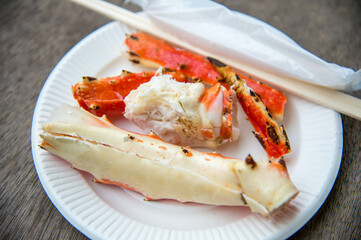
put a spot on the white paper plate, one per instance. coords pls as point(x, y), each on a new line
point(109, 212)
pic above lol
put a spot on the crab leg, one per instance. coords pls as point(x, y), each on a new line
point(272, 137)
point(160, 170)
point(209, 99)
point(104, 96)
point(148, 51)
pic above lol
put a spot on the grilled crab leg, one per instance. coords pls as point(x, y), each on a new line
point(104, 96)
point(272, 137)
point(148, 51)
point(160, 170)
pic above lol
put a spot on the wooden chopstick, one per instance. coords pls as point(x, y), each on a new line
point(336, 100)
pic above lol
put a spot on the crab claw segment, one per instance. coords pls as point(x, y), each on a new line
point(272, 137)
point(160, 170)
point(218, 103)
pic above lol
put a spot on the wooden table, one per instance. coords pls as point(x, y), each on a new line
point(35, 35)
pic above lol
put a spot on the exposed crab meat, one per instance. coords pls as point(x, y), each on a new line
point(104, 96)
point(146, 50)
point(186, 114)
point(161, 170)
point(272, 137)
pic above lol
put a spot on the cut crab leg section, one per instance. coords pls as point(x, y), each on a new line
point(105, 96)
point(160, 170)
point(149, 51)
point(272, 137)
point(186, 114)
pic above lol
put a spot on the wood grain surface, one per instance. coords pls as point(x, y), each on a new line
point(35, 35)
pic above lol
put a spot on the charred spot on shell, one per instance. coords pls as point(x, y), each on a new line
point(287, 141)
point(94, 107)
point(269, 113)
point(216, 62)
point(182, 66)
point(133, 54)
point(238, 78)
point(125, 73)
point(282, 162)
point(254, 95)
point(250, 161)
point(134, 61)
point(145, 74)
point(288, 146)
point(284, 132)
point(186, 152)
point(87, 79)
point(131, 137)
point(131, 36)
point(258, 95)
point(40, 146)
point(167, 69)
point(271, 131)
point(260, 139)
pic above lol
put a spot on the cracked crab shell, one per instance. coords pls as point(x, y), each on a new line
point(185, 114)
point(160, 170)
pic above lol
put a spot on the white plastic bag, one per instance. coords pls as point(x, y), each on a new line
point(215, 28)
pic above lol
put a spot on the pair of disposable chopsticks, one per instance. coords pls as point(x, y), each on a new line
point(323, 96)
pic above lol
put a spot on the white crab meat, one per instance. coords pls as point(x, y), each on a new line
point(161, 170)
point(187, 114)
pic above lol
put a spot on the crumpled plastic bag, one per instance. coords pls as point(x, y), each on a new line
point(217, 29)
